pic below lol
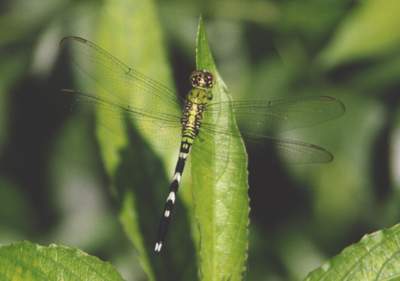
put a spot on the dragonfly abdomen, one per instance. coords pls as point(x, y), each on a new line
point(195, 106)
point(184, 150)
point(191, 121)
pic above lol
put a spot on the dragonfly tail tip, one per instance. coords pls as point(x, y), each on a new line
point(157, 247)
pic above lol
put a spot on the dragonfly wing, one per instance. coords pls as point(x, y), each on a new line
point(297, 152)
point(123, 85)
point(164, 126)
point(294, 151)
point(116, 110)
point(258, 118)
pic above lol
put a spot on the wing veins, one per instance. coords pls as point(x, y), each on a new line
point(128, 75)
point(118, 108)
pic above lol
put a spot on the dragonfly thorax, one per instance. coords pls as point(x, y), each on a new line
point(195, 105)
point(196, 102)
point(199, 96)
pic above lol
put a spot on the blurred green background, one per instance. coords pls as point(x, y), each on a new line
point(53, 188)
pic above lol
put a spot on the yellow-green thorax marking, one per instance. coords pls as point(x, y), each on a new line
point(196, 102)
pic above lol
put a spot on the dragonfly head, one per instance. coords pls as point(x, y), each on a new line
point(202, 79)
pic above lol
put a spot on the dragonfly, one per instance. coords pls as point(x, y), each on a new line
point(161, 104)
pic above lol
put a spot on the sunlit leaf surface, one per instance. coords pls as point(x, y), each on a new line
point(25, 261)
point(369, 31)
point(221, 203)
point(375, 257)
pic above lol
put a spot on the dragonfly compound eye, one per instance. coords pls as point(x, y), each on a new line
point(202, 79)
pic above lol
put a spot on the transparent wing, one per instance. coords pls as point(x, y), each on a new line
point(123, 85)
point(294, 151)
point(259, 118)
point(297, 152)
point(163, 125)
point(115, 110)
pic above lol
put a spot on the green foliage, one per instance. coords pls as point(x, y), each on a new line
point(220, 187)
point(222, 239)
point(135, 145)
point(263, 49)
point(371, 30)
point(25, 261)
point(375, 257)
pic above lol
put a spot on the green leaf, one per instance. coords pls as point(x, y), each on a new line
point(130, 30)
point(140, 155)
point(114, 33)
point(370, 30)
point(22, 20)
point(375, 257)
point(30, 262)
point(220, 198)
